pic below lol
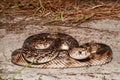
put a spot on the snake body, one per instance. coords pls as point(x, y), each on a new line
point(60, 50)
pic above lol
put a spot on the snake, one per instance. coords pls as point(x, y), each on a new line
point(60, 50)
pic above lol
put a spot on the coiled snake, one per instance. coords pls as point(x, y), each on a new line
point(59, 50)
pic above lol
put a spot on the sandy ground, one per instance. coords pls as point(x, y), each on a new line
point(104, 31)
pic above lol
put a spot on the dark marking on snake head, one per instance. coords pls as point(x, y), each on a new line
point(80, 52)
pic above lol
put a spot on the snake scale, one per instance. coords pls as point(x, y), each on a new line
point(59, 50)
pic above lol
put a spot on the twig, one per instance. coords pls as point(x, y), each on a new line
point(36, 11)
point(41, 7)
point(97, 6)
point(113, 5)
point(40, 2)
point(84, 19)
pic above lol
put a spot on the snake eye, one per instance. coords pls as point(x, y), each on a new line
point(80, 52)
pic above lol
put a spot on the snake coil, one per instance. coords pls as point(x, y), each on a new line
point(59, 50)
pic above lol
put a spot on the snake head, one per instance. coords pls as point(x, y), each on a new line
point(92, 47)
point(79, 53)
point(16, 56)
